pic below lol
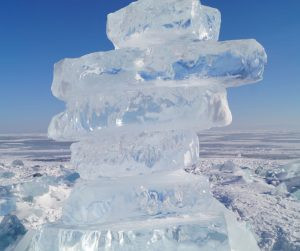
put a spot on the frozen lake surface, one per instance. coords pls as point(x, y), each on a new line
point(281, 146)
point(34, 147)
point(254, 174)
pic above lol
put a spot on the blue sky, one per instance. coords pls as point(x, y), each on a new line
point(35, 34)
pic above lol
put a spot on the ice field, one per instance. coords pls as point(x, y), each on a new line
point(246, 171)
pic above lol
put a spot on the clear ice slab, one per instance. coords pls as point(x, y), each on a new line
point(134, 154)
point(190, 233)
point(148, 22)
point(133, 113)
point(162, 211)
point(158, 195)
point(163, 87)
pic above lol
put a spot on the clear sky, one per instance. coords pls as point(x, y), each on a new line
point(35, 34)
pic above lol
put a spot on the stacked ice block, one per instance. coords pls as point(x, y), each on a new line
point(134, 112)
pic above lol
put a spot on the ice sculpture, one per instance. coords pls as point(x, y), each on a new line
point(134, 112)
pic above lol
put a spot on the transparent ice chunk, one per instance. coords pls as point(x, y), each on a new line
point(158, 195)
point(148, 22)
point(163, 211)
point(169, 88)
point(134, 154)
point(178, 233)
point(228, 63)
point(190, 108)
point(11, 229)
point(32, 188)
point(290, 176)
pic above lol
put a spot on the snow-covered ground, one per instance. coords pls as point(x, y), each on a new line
point(257, 176)
point(35, 178)
point(254, 174)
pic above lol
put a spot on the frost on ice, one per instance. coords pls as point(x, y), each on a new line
point(133, 112)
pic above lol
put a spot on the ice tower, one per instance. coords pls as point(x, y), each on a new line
point(134, 113)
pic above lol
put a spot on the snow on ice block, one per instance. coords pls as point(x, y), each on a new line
point(148, 22)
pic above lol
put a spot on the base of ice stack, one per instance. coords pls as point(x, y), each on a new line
point(164, 211)
point(173, 233)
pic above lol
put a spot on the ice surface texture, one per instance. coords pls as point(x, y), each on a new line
point(132, 154)
point(180, 85)
point(10, 230)
point(191, 233)
point(134, 112)
point(157, 195)
point(148, 22)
